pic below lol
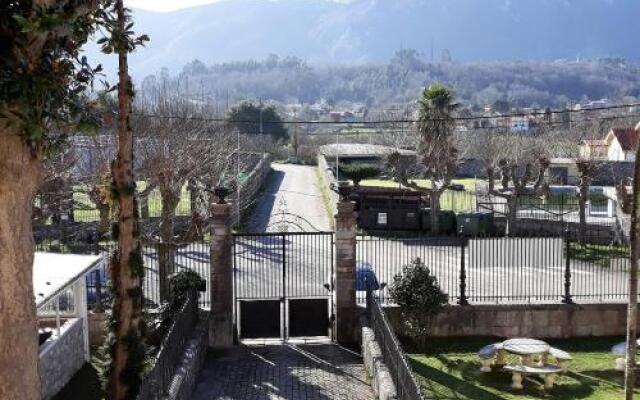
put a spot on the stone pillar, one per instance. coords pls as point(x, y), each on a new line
point(221, 319)
point(345, 286)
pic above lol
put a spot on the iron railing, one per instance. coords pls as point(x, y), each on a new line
point(282, 265)
point(156, 382)
point(194, 256)
point(516, 270)
point(404, 379)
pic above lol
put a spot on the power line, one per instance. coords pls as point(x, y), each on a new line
point(388, 121)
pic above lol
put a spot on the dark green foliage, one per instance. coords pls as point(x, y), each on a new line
point(48, 90)
point(358, 172)
point(417, 292)
point(185, 282)
point(247, 116)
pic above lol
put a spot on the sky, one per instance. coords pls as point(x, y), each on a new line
point(172, 5)
point(166, 5)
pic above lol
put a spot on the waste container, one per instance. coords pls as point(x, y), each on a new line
point(446, 219)
point(475, 224)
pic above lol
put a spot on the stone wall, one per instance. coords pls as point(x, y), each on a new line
point(381, 380)
point(540, 321)
point(326, 179)
point(61, 358)
point(184, 379)
point(253, 184)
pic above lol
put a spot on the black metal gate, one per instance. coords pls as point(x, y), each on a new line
point(283, 284)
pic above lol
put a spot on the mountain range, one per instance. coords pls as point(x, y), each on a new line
point(370, 31)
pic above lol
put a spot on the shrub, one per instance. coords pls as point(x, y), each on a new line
point(358, 172)
point(417, 292)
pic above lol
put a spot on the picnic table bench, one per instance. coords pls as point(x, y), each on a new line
point(547, 372)
point(533, 359)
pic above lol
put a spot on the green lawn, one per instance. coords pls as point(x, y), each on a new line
point(452, 371)
point(468, 183)
point(598, 253)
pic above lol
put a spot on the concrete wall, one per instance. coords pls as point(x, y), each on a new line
point(61, 358)
point(539, 321)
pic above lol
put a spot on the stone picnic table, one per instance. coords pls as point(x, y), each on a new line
point(620, 350)
point(533, 359)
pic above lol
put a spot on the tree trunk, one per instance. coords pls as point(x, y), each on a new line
point(434, 204)
point(583, 196)
point(512, 214)
point(632, 315)
point(19, 179)
point(127, 267)
point(166, 248)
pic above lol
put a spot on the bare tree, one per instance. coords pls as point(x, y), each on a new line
point(516, 163)
point(177, 145)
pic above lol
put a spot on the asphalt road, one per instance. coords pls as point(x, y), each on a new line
point(291, 203)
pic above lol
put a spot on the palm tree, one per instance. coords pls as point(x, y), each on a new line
point(435, 150)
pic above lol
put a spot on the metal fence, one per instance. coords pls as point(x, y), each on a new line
point(404, 379)
point(193, 256)
point(282, 265)
point(520, 270)
point(155, 383)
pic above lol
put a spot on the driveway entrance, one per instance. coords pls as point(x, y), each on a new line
point(291, 372)
point(283, 285)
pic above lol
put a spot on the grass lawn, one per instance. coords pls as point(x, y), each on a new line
point(598, 253)
point(468, 183)
point(452, 371)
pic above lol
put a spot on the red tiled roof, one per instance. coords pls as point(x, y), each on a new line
point(628, 138)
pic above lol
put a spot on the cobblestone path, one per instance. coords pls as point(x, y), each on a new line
point(304, 372)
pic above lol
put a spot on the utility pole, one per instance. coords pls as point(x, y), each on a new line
point(238, 178)
point(295, 135)
point(261, 129)
point(337, 156)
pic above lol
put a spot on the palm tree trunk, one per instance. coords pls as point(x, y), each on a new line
point(127, 265)
point(19, 179)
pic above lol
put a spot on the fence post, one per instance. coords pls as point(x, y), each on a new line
point(345, 287)
point(463, 300)
point(567, 269)
point(221, 319)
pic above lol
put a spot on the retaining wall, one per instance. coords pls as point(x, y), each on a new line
point(558, 321)
point(61, 357)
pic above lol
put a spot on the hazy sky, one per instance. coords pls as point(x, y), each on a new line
point(171, 5)
point(166, 5)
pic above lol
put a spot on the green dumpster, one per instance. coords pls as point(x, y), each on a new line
point(448, 222)
point(475, 224)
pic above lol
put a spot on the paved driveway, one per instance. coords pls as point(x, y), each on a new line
point(274, 372)
point(293, 200)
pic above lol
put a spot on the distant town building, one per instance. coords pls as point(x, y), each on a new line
point(622, 144)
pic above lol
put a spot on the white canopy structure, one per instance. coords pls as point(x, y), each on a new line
point(60, 290)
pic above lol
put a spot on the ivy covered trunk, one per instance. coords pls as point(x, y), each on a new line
point(19, 178)
point(166, 248)
point(127, 340)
